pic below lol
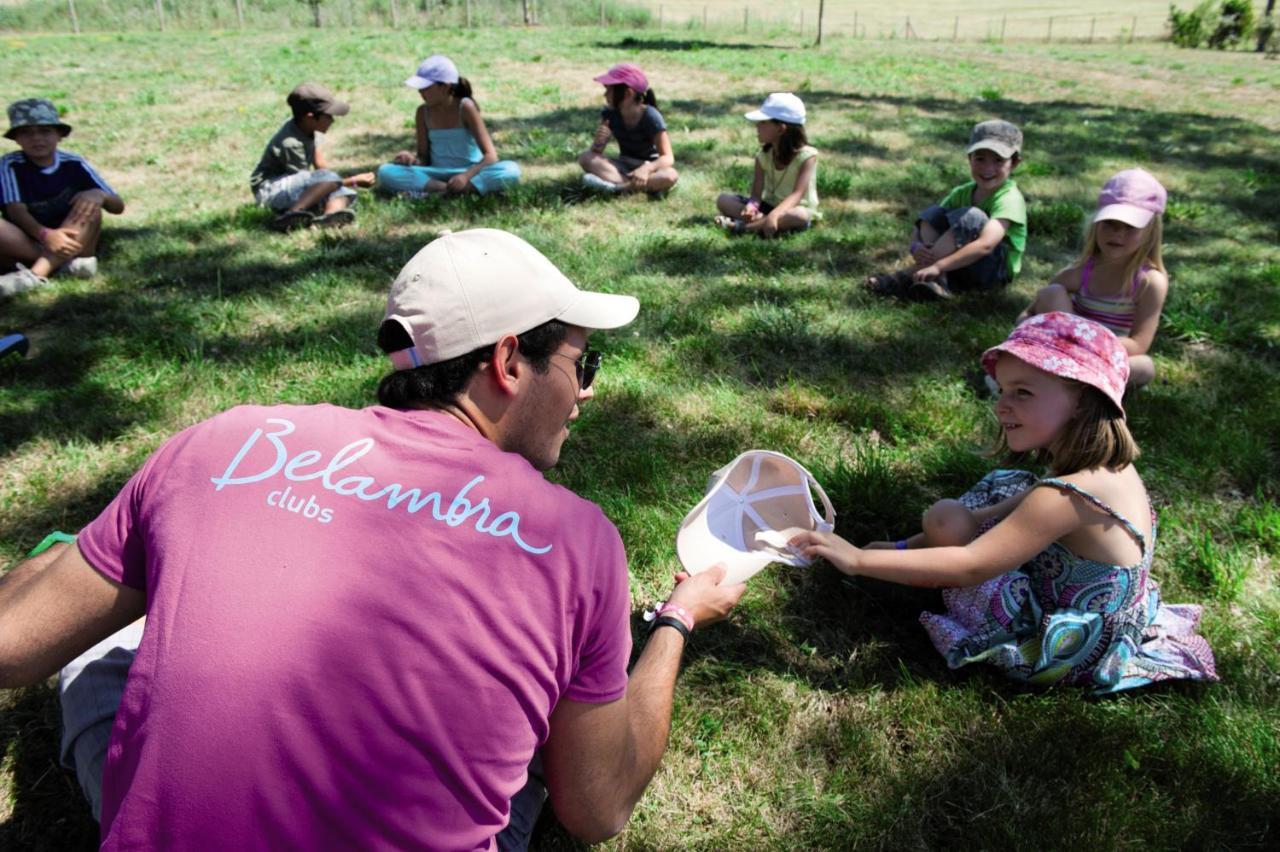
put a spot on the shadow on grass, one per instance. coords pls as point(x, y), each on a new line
point(664, 45)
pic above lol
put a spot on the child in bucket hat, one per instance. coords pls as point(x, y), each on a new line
point(974, 238)
point(645, 161)
point(1056, 587)
point(784, 191)
point(52, 201)
point(1119, 279)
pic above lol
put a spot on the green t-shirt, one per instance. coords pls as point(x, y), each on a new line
point(288, 152)
point(779, 183)
point(1005, 203)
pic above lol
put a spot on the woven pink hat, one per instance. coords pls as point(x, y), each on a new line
point(1132, 196)
point(1069, 347)
point(629, 75)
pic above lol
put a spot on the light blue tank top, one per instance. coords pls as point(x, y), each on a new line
point(454, 147)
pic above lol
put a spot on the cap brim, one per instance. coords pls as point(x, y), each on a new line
point(600, 310)
point(756, 115)
point(416, 82)
point(1001, 148)
point(338, 108)
point(1136, 217)
point(63, 129)
point(607, 80)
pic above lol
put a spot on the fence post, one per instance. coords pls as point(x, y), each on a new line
point(855, 23)
point(955, 29)
point(1003, 20)
point(1133, 28)
point(661, 12)
point(395, 16)
point(240, 13)
point(75, 22)
point(602, 21)
point(468, 14)
point(802, 23)
point(160, 13)
point(704, 17)
point(1049, 35)
point(1093, 22)
point(746, 22)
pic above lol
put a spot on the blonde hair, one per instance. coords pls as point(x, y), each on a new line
point(1149, 250)
point(1097, 436)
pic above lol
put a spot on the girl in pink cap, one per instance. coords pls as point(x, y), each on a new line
point(645, 162)
point(1056, 586)
point(1119, 279)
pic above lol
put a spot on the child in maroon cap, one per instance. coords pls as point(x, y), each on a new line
point(1057, 586)
point(645, 162)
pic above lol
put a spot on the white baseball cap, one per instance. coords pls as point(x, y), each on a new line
point(779, 106)
point(467, 289)
point(752, 507)
point(434, 69)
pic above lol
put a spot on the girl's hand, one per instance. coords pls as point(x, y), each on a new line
point(601, 138)
point(929, 273)
point(923, 254)
point(458, 184)
point(404, 158)
point(770, 226)
point(830, 547)
point(640, 178)
point(750, 212)
point(62, 242)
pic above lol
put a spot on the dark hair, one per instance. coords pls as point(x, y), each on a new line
point(793, 138)
point(617, 90)
point(462, 89)
point(301, 109)
point(439, 384)
point(1097, 436)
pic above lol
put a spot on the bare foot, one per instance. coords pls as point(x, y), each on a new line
point(364, 179)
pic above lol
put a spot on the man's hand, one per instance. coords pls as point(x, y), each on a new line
point(703, 597)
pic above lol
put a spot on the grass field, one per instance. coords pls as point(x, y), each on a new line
point(819, 716)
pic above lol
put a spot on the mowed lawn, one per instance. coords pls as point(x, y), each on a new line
point(819, 716)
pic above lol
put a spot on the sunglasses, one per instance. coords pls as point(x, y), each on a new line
point(585, 366)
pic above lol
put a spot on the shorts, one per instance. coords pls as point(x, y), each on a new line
point(627, 165)
point(965, 224)
point(766, 208)
point(283, 192)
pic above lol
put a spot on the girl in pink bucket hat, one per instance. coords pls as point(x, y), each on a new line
point(1119, 279)
point(645, 161)
point(1056, 585)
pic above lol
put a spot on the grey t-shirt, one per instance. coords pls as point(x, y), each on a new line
point(636, 142)
point(289, 151)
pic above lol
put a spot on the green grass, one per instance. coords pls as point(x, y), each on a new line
point(819, 715)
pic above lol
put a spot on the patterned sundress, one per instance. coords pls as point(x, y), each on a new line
point(1063, 619)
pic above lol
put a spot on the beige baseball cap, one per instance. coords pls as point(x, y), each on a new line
point(752, 507)
point(467, 289)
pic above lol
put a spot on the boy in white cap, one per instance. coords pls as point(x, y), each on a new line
point(784, 191)
point(389, 611)
point(53, 201)
point(974, 238)
point(293, 176)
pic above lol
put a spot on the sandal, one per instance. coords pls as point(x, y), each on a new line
point(291, 220)
point(730, 224)
point(336, 219)
point(890, 283)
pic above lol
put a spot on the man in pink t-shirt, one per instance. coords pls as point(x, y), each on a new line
point(363, 624)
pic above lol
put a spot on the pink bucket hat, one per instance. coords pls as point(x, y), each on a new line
point(629, 75)
point(1132, 196)
point(1069, 347)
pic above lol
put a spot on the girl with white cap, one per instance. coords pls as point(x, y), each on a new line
point(1059, 589)
point(784, 192)
point(645, 161)
point(454, 152)
point(1119, 279)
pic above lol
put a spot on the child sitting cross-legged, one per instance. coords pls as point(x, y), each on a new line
point(645, 161)
point(53, 202)
point(1048, 578)
point(293, 177)
point(784, 191)
point(974, 238)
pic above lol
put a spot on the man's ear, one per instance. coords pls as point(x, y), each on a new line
point(505, 365)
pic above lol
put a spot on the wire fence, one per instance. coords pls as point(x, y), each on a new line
point(1098, 22)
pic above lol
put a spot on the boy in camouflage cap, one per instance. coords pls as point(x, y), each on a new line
point(52, 201)
point(974, 238)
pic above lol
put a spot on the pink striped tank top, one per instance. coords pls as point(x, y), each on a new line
point(1115, 312)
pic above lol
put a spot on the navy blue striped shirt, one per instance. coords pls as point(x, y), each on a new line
point(47, 192)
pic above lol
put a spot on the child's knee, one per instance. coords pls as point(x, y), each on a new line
point(1141, 370)
point(586, 158)
point(1053, 297)
point(729, 204)
point(948, 523)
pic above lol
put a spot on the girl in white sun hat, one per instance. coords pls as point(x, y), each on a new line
point(784, 191)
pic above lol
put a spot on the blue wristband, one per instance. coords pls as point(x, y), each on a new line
point(57, 537)
point(900, 544)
